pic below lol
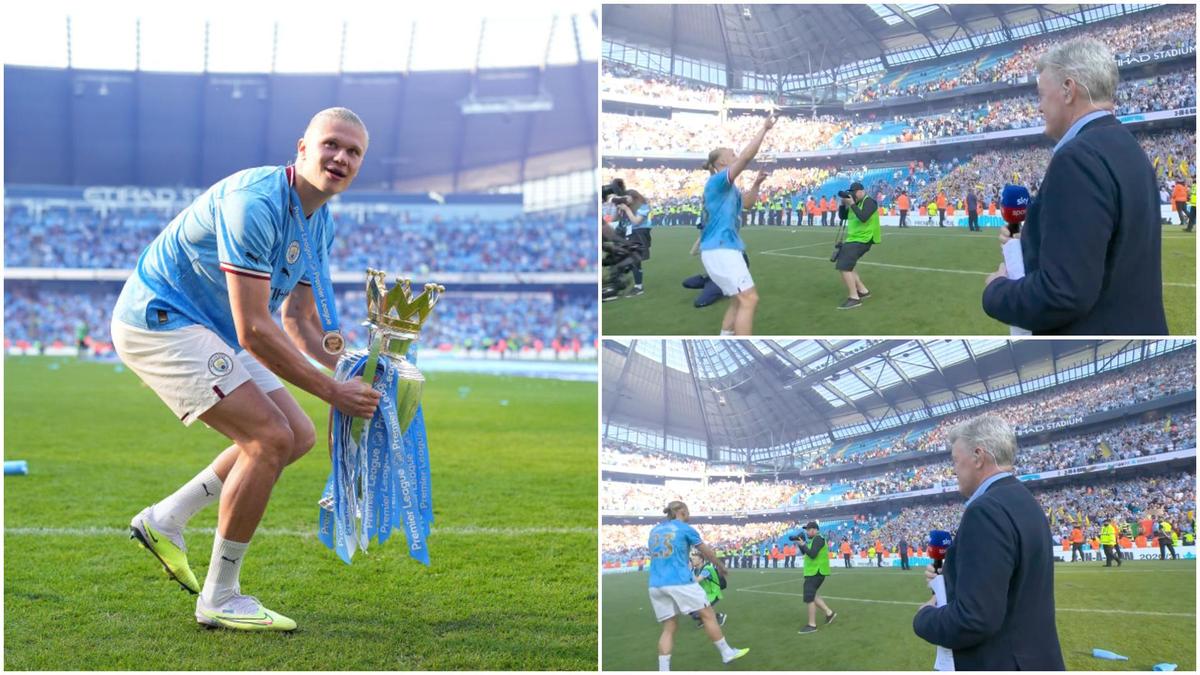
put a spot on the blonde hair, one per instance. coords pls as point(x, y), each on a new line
point(341, 114)
point(711, 164)
point(674, 508)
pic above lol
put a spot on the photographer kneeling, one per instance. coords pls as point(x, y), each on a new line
point(634, 217)
point(861, 215)
point(620, 254)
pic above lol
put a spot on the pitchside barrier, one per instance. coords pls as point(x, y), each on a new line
point(959, 219)
point(891, 561)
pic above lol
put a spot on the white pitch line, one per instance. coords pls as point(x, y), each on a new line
point(926, 269)
point(465, 530)
point(789, 248)
point(918, 604)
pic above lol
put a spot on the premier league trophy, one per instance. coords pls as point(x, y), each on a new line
point(380, 476)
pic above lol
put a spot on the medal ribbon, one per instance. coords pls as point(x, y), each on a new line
point(322, 284)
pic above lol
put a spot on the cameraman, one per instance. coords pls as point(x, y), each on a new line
point(633, 212)
point(816, 568)
point(861, 214)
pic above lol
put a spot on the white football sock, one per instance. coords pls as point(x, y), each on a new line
point(664, 662)
point(726, 332)
point(224, 570)
point(724, 648)
point(175, 511)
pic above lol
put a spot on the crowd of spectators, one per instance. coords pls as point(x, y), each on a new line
point(1126, 441)
point(1162, 376)
point(504, 322)
point(993, 169)
point(723, 496)
point(700, 134)
point(619, 78)
point(1144, 502)
point(83, 237)
point(669, 187)
point(1168, 28)
point(46, 315)
point(1170, 497)
point(623, 456)
point(626, 543)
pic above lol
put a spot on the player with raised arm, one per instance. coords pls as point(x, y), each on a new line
point(194, 322)
point(673, 588)
point(721, 247)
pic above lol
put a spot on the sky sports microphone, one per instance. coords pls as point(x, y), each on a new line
point(1014, 202)
point(939, 541)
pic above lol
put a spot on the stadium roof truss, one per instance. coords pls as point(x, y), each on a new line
point(791, 48)
point(756, 401)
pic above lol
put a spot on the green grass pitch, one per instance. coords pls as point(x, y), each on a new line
point(1145, 610)
point(513, 581)
point(923, 282)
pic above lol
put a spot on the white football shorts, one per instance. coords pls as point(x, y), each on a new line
point(668, 601)
point(727, 268)
point(190, 368)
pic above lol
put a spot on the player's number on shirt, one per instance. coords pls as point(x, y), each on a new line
point(661, 545)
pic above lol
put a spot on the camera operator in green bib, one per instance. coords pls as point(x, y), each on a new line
point(815, 550)
point(861, 214)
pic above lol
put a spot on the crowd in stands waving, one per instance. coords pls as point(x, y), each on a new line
point(626, 133)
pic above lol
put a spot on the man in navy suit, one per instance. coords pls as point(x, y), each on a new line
point(1092, 242)
point(999, 572)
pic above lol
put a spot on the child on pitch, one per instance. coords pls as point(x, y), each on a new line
point(710, 580)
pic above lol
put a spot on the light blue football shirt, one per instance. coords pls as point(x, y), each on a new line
point(670, 543)
point(723, 204)
point(246, 224)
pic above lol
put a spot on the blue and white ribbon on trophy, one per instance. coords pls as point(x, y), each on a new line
point(380, 480)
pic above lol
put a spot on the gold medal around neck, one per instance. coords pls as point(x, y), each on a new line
point(333, 343)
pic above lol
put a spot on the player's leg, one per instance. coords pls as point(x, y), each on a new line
point(712, 629)
point(731, 313)
point(666, 641)
point(747, 302)
point(205, 488)
point(261, 432)
point(812, 614)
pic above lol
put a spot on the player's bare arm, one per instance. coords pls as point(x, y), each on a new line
point(751, 196)
point(260, 336)
point(303, 325)
point(747, 155)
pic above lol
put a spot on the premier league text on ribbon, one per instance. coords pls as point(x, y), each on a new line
point(380, 475)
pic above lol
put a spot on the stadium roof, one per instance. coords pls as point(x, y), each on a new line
point(761, 395)
point(297, 37)
point(799, 39)
point(457, 98)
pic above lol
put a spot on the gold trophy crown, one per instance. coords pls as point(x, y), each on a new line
point(397, 309)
